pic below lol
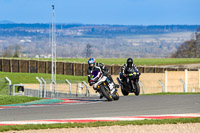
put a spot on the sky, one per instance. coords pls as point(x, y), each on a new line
point(121, 12)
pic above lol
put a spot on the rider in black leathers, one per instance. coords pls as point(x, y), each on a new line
point(129, 64)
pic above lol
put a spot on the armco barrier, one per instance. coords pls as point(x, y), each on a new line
point(76, 69)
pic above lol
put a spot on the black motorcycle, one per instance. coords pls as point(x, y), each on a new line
point(101, 83)
point(130, 83)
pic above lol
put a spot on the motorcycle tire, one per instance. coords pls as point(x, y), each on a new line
point(137, 87)
point(125, 93)
point(115, 96)
point(106, 94)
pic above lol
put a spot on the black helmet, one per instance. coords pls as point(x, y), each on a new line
point(129, 62)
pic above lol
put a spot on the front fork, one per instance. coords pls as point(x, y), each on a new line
point(133, 84)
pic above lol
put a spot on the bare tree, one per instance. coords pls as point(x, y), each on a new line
point(7, 52)
point(17, 49)
point(88, 50)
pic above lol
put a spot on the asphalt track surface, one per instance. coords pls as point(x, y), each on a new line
point(125, 106)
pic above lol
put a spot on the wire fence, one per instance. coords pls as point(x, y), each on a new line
point(4, 86)
point(150, 83)
point(62, 88)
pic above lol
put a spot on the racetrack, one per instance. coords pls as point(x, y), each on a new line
point(126, 106)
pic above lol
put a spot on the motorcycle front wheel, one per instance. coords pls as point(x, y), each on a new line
point(106, 93)
point(125, 93)
point(137, 88)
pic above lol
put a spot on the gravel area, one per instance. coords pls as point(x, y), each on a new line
point(173, 128)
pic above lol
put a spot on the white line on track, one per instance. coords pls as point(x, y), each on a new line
point(84, 120)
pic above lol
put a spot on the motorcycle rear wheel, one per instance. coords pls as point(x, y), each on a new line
point(115, 96)
point(106, 94)
point(137, 87)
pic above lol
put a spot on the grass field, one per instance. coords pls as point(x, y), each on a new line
point(18, 78)
point(6, 99)
point(98, 124)
point(137, 61)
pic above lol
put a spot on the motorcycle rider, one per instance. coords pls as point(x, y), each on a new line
point(129, 65)
point(93, 66)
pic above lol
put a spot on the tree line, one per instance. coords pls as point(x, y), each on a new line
point(189, 49)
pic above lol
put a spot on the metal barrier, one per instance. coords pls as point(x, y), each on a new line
point(9, 85)
point(87, 88)
point(143, 89)
point(44, 88)
point(40, 89)
point(184, 85)
point(163, 86)
point(70, 86)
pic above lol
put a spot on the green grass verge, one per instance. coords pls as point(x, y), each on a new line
point(6, 99)
point(99, 124)
point(3, 87)
point(17, 78)
point(137, 61)
point(172, 93)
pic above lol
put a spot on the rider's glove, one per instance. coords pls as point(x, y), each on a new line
point(134, 73)
point(91, 83)
point(138, 73)
point(124, 75)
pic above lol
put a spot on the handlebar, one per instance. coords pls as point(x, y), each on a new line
point(131, 74)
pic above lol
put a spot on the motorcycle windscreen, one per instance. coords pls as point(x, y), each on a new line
point(94, 74)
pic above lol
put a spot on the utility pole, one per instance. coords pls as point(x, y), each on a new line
point(53, 50)
point(88, 51)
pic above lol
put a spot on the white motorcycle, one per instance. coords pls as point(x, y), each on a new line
point(104, 86)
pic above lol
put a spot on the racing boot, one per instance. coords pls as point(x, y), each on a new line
point(101, 96)
point(116, 85)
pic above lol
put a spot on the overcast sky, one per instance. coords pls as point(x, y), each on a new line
point(125, 12)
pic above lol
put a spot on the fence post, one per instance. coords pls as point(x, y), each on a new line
point(70, 87)
point(87, 88)
point(10, 84)
point(13, 90)
point(143, 89)
point(45, 87)
point(40, 89)
point(163, 86)
point(2, 65)
point(165, 81)
point(199, 78)
point(11, 66)
point(20, 66)
point(74, 69)
point(186, 79)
